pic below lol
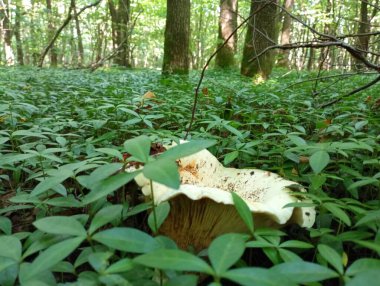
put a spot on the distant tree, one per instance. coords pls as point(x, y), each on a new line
point(17, 32)
point(79, 36)
point(285, 33)
point(364, 28)
point(227, 24)
point(261, 33)
point(177, 37)
point(6, 31)
point(120, 17)
point(51, 31)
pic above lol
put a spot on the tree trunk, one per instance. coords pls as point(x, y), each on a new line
point(17, 31)
point(120, 15)
point(261, 33)
point(7, 35)
point(227, 24)
point(323, 56)
point(285, 34)
point(177, 37)
point(51, 30)
point(364, 27)
point(79, 37)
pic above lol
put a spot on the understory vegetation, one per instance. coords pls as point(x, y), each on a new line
point(69, 215)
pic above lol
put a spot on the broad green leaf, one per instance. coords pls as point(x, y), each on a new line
point(183, 280)
point(244, 211)
point(367, 277)
point(230, 157)
point(139, 148)
point(338, 212)
point(364, 182)
point(127, 239)
point(109, 185)
point(5, 225)
point(54, 254)
point(173, 259)
point(51, 182)
point(296, 140)
point(254, 276)
point(64, 267)
point(161, 212)
point(13, 158)
point(112, 152)
point(319, 160)
point(9, 270)
point(186, 149)
point(163, 171)
point(104, 216)
point(288, 256)
point(296, 244)
point(10, 247)
point(28, 133)
point(331, 256)
point(375, 246)
point(304, 272)
point(225, 251)
point(6, 262)
point(121, 265)
point(99, 260)
point(362, 265)
point(60, 225)
point(369, 217)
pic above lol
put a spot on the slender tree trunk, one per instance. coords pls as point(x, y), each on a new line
point(177, 37)
point(285, 34)
point(364, 27)
point(79, 37)
point(227, 24)
point(120, 16)
point(323, 57)
point(261, 33)
point(51, 30)
point(7, 35)
point(17, 31)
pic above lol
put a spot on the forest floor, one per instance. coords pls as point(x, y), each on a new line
point(58, 126)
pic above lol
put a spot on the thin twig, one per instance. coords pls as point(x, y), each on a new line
point(371, 83)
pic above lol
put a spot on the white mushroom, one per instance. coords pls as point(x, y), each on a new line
point(202, 208)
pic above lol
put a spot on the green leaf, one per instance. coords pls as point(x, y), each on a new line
point(368, 277)
point(331, 256)
point(109, 185)
point(362, 265)
point(104, 216)
point(296, 244)
point(50, 182)
point(187, 149)
point(10, 247)
point(304, 272)
point(364, 182)
point(112, 152)
point(99, 260)
point(162, 212)
point(369, 217)
point(121, 265)
point(244, 211)
point(5, 225)
point(319, 160)
point(375, 246)
point(28, 133)
point(103, 172)
point(183, 280)
point(6, 262)
point(127, 239)
point(139, 148)
point(296, 140)
point(54, 254)
point(225, 251)
point(60, 225)
point(173, 259)
point(163, 171)
point(230, 157)
point(13, 158)
point(338, 212)
point(254, 276)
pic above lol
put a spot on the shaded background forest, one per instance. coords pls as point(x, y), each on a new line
point(132, 33)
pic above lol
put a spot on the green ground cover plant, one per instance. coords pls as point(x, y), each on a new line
point(68, 215)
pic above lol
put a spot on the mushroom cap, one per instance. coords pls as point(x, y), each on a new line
point(203, 176)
